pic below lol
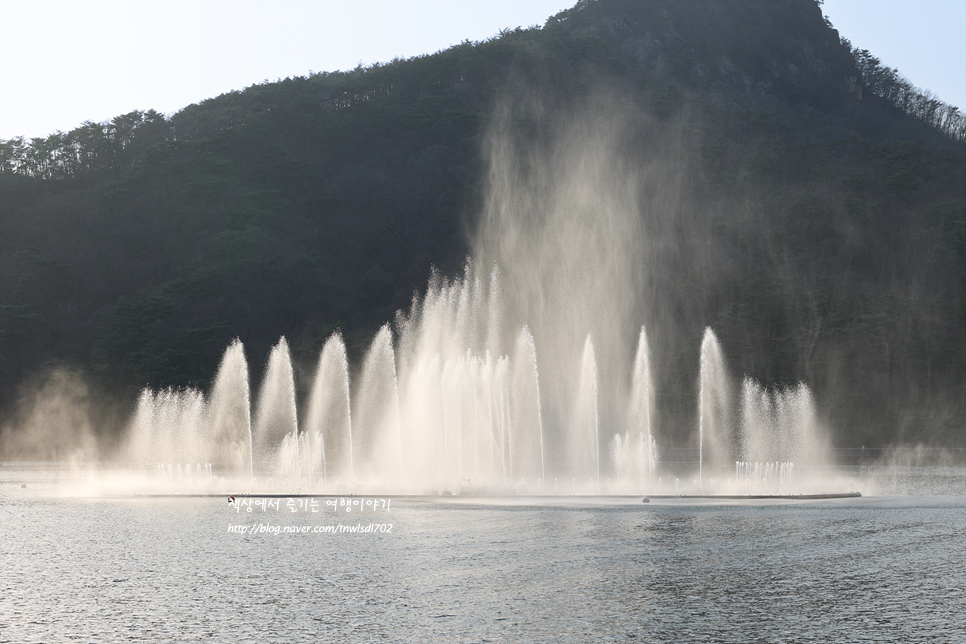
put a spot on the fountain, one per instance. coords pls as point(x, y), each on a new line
point(328, 421)
point(635, 454)
point(526, 415)
point(435, 411)
point(781, 436)
point(713, 407)
point(275, 436)
point(520, 374)
point(229, 414)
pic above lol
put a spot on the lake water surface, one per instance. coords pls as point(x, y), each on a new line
point(886, 568)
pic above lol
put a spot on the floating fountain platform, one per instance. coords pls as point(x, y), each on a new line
point(545, 497)
point(794, 497)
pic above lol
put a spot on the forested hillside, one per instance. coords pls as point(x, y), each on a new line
point(821, 227)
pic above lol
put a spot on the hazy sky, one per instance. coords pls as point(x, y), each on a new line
point(66, 61)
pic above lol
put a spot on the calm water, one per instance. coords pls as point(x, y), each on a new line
point(876, 569)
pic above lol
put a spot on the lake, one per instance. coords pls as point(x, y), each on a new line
point(886, 567)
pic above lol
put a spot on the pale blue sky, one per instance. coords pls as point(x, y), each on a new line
point(925, 39)
point(66, 61)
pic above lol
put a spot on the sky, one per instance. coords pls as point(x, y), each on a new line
point(925, 39)
point(63, 62)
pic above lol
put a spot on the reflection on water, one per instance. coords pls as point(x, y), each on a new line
point(878, 568)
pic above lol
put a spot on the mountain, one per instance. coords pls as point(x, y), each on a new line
point(790, 192)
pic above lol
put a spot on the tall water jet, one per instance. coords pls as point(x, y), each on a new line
point(494, 313)
point(563, 220)
point(486, 430)
point(276, 421)
point(453, 384)
point(424, 348)
point(377, 441)
point(526, 417)
point(476, 416)
point(452, 404)
point(328, 420)
point(501, 428)
point(421, 408)
point(488, 419)
point(583, 439)
point(229, 414)
point(714, 408)
point(640, 413)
